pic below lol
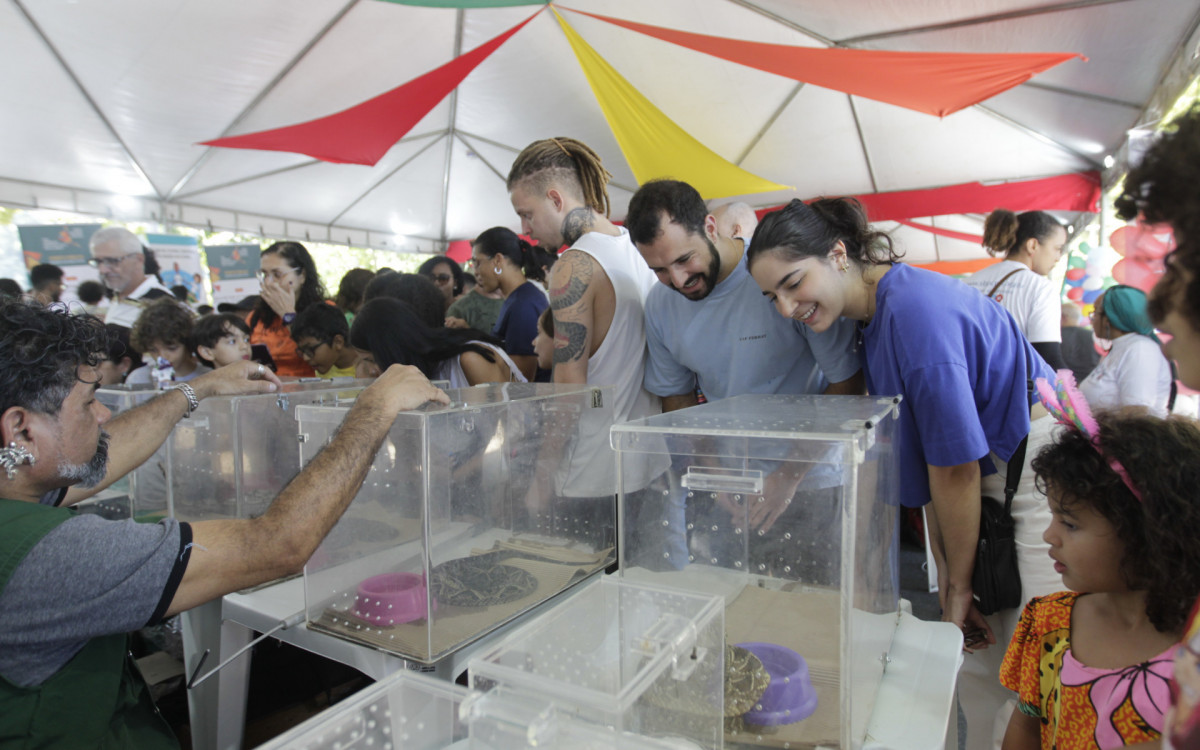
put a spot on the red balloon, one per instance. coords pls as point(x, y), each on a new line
point(1117, 239)
point(1118, 271)
point(1076, 274)
point(1075, 293)
point(1143, 275)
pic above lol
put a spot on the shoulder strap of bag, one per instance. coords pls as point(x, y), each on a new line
point(1015, 465)
point(1001, 281)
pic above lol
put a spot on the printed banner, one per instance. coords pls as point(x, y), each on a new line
point(233, 270)
point(179, 264)
point(64, 245)
point(61, 244)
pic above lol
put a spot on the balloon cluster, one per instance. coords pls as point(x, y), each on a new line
point(1089, 273)
point(1143, 247)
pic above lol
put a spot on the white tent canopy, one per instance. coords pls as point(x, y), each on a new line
point(106, 100)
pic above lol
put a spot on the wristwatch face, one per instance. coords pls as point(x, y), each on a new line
point(288, 318)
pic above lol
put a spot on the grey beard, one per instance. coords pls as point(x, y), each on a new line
point(91, 473)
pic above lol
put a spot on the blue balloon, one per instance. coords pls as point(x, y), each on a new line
point(1090, 297)
point(1076, 282)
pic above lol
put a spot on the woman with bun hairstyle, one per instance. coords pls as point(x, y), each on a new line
point(1028, 242)
point(506, 263)
point(962, 366)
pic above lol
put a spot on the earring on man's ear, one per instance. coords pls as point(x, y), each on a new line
point(845, 265)
point(13, 456)
point(496, 270)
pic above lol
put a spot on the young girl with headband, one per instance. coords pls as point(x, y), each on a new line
point(1092, 665)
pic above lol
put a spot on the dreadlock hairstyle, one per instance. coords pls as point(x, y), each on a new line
point(564, 161)
point(1159, 532)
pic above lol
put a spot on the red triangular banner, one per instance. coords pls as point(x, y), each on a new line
point(363, 133)
point(937, 83)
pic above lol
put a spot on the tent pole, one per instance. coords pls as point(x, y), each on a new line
point(458, 36)
point(770, 121)
point(192, 170)
point(385, 178)
point(133, 160)
point(974, 21)
point(863, 142)
point(1038, 135)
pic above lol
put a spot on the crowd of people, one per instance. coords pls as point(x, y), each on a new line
point(683, 303)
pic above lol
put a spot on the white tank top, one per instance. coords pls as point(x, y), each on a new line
point(451, 369)
point(619, 362)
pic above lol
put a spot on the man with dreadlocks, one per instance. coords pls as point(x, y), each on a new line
point(597, 291)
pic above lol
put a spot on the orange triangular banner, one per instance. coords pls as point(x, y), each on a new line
point(937, 83)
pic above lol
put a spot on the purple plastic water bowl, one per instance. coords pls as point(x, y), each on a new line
point(790, 697)
point(392, 599)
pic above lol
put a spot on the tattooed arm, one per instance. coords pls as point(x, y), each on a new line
point(571, 300)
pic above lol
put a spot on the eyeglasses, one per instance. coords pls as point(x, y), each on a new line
point(275, 274)
point(109, 262)
point(442, 278)
point(311, 350)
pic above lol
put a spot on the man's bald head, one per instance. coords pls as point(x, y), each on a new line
point(734, 220)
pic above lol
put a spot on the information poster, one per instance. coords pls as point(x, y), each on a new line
point(233, 270)
point(179, 264)
point(64, 245)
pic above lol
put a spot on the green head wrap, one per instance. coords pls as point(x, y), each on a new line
point(1125, 308)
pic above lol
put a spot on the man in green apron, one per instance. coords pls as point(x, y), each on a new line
point(73, 586)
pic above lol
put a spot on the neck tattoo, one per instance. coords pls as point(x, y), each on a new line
point(577, 222)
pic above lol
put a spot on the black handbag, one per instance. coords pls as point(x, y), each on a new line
point(997, 580)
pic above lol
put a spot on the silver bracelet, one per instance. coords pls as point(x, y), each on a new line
point(190, 395)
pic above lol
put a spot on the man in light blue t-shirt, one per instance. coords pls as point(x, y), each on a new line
point(709, 327)
point(708, 324)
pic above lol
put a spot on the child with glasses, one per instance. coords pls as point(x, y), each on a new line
point(322, 339)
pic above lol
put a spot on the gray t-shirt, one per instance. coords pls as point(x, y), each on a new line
point(88, 577)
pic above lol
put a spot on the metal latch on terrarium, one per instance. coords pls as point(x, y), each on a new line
point(705, 479)
point(597, 398)
point(282, 402)
point(677, 634)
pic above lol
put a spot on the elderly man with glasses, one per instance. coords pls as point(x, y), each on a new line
point(121, 260)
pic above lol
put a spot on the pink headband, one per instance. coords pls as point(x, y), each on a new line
point(1070, 408)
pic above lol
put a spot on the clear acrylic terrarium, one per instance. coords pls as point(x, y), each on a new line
point(470, 515)
point(786, 506)
point(411, 711)
point(234, 454)
point(142, 492)
point(633, 658)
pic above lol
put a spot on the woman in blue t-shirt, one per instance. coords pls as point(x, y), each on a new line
point(505, 262)
point(963, 368)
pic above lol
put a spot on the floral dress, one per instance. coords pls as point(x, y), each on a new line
point(1081, 706)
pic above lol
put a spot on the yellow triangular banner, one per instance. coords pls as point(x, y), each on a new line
point(653, 145)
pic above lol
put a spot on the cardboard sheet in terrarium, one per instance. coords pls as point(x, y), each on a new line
point(453, 626)
point(809, 623)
